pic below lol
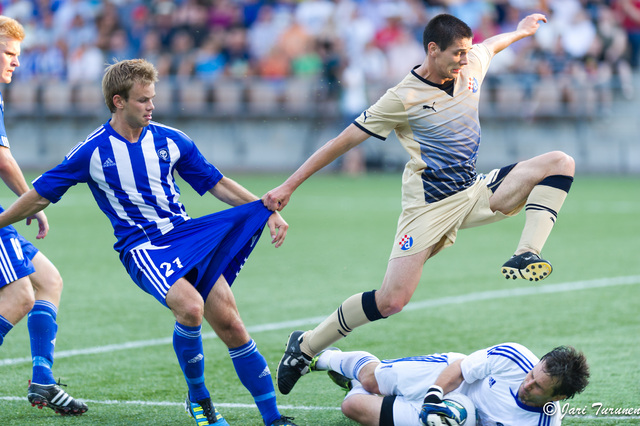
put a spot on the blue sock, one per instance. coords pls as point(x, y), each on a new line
point(5, 328)
point(43, 328)
point(253, 371)
point(187, 342)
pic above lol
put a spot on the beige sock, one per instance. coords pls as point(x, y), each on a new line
point(542, 209)
point(338, 325)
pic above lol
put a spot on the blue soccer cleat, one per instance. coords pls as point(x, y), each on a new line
point(204, 413)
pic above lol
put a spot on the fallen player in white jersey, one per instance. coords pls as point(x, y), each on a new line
point(506, 384)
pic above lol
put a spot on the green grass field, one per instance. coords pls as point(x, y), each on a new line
point(114, 342)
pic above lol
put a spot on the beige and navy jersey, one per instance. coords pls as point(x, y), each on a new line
point(439, 130)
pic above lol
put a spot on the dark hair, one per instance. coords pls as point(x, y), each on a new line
point(569, 367)
point(444, 30)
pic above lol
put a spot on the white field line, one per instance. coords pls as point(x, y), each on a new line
point(178, 404)
point(282, 407)
point(530, 290)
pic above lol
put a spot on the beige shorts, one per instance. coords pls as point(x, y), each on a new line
point(437, 224)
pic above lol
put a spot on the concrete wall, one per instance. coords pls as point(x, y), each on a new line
point(607, 144)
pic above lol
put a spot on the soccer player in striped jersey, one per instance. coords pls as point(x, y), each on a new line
point(29, 282)
point(434, 113)
point(506, 383)
point(187, 264)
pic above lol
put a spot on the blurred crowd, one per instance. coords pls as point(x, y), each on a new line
point(345, 44)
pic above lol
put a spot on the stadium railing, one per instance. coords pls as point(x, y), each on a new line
point(507, 99)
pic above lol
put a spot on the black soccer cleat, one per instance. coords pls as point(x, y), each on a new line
point(293, 363)
point(528, 266)
point(204, 413)
point(284, 421)
point(54, 397)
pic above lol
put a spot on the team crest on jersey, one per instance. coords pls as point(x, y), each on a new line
point(163, 154)
point(406, 242)
point(473, 84)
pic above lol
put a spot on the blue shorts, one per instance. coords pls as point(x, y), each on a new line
point(199, 249)
point(15, 256)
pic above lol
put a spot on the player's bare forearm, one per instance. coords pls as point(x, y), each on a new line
point(451, 377)
point(231, 192)
point(527, 27)
point(26, 206)
point(277, 198)
point(11, 174)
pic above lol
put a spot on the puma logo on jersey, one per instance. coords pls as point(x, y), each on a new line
point(433, 107)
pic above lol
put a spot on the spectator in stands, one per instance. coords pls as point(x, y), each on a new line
point(263, 34)
point(209, 59)
point(613, 45)
point(629, 14)
point(236, 52)
point(85, 64)
point(181, 55)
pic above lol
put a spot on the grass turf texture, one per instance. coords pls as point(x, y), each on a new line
point(338, 244)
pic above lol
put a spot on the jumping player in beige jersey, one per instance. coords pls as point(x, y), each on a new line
point(434, 112)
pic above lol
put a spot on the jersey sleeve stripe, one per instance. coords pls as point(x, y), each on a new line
point(514, 355)
point(370, 133)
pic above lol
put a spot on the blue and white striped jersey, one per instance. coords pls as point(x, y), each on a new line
point(133, 183)
point(492, 377)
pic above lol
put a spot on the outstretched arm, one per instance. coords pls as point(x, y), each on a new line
point(231, 192)
point(28, 205)
point(350, 137)
point(12, 176)
point(527, 27)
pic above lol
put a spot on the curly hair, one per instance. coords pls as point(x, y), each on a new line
point(570, 369)
point(120, 77)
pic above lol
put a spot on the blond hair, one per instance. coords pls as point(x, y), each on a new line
point(120, 77)
point(10, 29)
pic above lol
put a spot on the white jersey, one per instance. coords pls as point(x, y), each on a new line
point(492, 377)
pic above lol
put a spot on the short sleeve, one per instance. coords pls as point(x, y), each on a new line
point(383, 117)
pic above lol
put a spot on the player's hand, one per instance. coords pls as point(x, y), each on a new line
point(278, 228)
point(530, 24)
point(434, 412)
point(276, 199)
point(43, 224)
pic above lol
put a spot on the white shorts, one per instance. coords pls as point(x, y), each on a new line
point(409, 379)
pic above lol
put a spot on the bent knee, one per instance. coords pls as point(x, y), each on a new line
point(370, 384)
point(562, 163)
point(190, 315)
point(21, 300)
point(351, 408)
